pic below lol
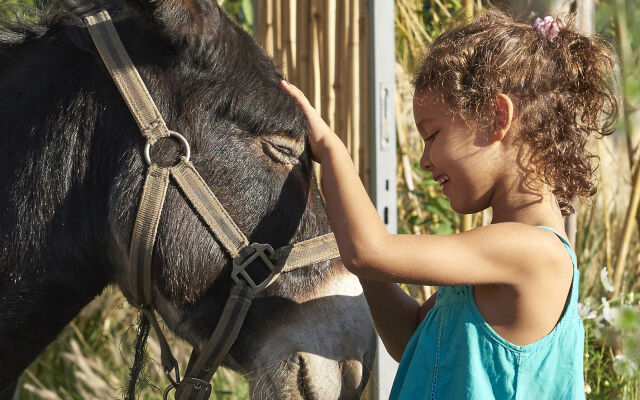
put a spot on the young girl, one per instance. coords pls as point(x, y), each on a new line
point(505, 110)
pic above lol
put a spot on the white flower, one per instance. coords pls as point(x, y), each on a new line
point(587, 388)
point(604, 278)
point(585, 312)
point(610, 314)
point(624, 366)
point(597, 332)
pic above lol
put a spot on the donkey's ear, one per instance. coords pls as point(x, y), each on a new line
point(80, 38)
point(186, 18)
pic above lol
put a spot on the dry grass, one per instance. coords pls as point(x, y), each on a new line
point(92, 356)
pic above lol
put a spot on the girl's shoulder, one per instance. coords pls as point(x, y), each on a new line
point(547, 262)
point(544, 249)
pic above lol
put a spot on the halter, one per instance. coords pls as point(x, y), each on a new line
point(255, 265)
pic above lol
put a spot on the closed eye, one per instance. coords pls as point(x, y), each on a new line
point(284, 150)
point(280, 153)
point(432, 136)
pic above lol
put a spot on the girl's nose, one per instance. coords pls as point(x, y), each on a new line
point(425, 161)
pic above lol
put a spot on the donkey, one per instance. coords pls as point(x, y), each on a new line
point(72, 169)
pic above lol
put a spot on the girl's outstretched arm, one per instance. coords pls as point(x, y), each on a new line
point(506, 253)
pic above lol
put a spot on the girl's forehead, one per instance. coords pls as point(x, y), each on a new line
point(429, 106)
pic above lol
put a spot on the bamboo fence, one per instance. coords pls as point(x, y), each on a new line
point(322, 47)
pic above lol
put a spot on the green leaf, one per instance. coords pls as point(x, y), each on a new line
point(442, 229)
point(629, 318)
point(443, 203)
point(436, 211)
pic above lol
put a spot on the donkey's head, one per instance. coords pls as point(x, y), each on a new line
point(309, 334)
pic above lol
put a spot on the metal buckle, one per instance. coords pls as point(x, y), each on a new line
point(193, 388)
point(256, 256)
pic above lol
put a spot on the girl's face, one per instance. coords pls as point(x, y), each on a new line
point(462, 158)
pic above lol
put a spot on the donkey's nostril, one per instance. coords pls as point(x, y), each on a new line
point(304, 380)
point(325, 378)
point(352, 382)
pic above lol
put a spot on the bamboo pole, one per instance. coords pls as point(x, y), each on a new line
point(285, 40)
point(316, 43)
point(365, 160)
point(340, 72)
point(329, 98)
point(277, 35)
point(260, 22)
point(348, 63)
point(268, 28)
point(443, 8)
point(353, 55)
point(468, 8)
point(302, 52)
point(436, 17)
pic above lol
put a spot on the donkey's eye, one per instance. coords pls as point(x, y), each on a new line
point(280, 153)
point(284, 150)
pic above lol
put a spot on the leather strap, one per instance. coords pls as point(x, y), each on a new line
point(126, 76)
point(209, 208)
point(210, 357)
point(144, 234)
point(311, 251)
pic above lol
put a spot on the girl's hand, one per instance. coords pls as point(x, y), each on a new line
point(321, 136)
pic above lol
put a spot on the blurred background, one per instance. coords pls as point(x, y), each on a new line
point(322, 46)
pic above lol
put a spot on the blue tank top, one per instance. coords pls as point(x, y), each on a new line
point(455, 354)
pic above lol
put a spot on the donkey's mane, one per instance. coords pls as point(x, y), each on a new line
point(236, 100)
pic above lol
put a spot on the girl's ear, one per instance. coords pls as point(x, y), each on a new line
point(503, 116)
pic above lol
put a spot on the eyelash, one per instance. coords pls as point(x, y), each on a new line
point(432, 136)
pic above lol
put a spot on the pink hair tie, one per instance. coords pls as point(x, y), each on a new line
point(548, 27)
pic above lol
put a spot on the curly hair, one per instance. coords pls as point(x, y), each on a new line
point(562, 90)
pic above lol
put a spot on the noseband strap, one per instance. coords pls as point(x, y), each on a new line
point(255, 266)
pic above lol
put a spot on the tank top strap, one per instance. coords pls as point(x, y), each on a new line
point(576, 274)
point(566, 245)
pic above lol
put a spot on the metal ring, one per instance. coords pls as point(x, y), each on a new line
point(165, 395)
point(185, 144)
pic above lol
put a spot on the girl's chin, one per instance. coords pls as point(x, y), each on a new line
point(463, 207)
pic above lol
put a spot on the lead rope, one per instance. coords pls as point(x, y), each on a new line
point(203, 362)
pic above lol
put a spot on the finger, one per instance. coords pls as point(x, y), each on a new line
point(310, 112)
point(296, 94)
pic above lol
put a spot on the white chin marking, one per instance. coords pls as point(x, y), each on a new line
point(345, 284)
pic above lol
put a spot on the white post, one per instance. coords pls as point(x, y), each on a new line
point(383, 153)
